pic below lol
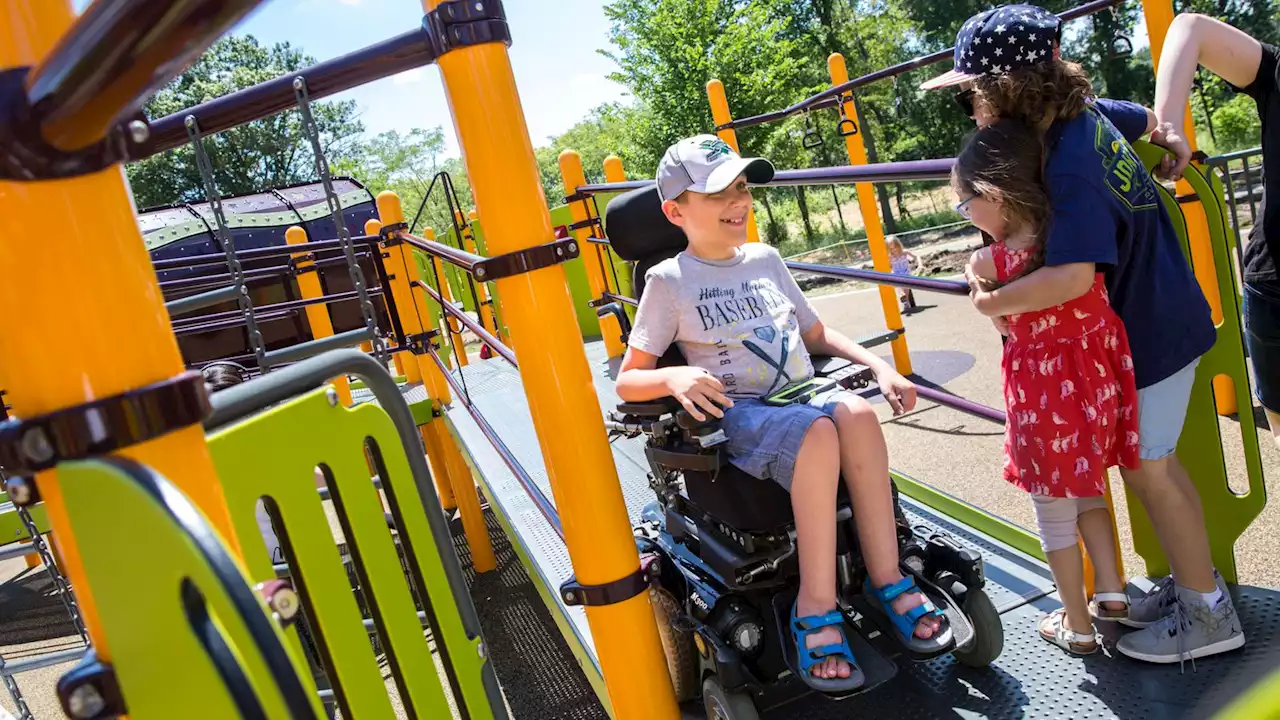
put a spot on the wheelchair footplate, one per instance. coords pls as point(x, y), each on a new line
point(961, 629)
point(876, 666)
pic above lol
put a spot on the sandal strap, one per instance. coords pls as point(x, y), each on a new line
point(1111, 597)
point(813, 623)
point(822, 652)
point(1058, 620)
point(889, 593)
point(924, 609)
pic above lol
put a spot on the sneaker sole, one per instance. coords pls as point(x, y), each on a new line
point(1234, 642)
point(1138, 624)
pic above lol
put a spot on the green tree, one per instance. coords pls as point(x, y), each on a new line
point(255, 156)
point(609, 129)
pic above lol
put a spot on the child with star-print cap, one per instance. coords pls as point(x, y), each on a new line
point(1107, 216)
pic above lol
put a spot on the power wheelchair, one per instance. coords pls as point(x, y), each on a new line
point(720, 545)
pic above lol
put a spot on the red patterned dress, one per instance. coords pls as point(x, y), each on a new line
point(1069, 392)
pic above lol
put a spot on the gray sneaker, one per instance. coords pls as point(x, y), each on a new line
point(1158, 604)
point(1192, 630)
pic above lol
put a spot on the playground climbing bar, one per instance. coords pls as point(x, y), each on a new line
point(904, 171)
point(475, 327)
point(911, 282)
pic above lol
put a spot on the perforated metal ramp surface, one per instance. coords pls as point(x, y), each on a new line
point(1031, 679)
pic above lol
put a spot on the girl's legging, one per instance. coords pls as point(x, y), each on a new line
point(1057, 518)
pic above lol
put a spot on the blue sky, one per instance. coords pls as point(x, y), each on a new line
point(559, 74)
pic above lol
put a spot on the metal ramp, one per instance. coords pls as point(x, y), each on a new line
point(1031, 679)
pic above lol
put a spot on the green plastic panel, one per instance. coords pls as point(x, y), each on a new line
point(1227, 515)
point(274, 455)
point(137, 556)
point(11, 527)
point(483, 248)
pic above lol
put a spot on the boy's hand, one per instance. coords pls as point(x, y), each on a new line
point(898, 391)
point(696, 388)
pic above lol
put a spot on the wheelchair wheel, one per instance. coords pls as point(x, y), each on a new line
point(722, 704)
point(988, 631)
point(677, 644)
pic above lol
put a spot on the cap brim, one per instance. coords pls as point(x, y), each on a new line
point(946, 79)
point(757, 170)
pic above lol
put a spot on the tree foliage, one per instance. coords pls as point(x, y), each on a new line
point(255, 156)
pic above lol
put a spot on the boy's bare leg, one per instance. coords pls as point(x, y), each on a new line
point(1172, 502)
point(1100, 540)
point(813, 499)
point(864, 461)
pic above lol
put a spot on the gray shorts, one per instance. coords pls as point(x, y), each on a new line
point(764, 440)
point(1162, 410)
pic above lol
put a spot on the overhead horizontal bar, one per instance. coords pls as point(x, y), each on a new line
point(260, 253)
point(377, 61)
point(838, 175)
point(463, 259)
point(949, 287)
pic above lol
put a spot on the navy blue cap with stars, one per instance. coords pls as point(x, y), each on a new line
point(999, 40)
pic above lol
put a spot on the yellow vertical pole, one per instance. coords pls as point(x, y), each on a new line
point(613, 168)
point(393, 260)
point(97, 227)
point(591, 253)
point(538, 309)
point(498, 329)
point(485, 311)
point(871, 220)
point(317, 315)
point(720, 115)
point(446, 293)
point(1159, 15)
point(402, 272)
point(33, 560)
point(374, 227)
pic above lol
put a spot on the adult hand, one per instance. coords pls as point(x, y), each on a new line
point(1167, 136)
point(897, 390)
point(696, 388)
point(979, 291)
point(1001, 323)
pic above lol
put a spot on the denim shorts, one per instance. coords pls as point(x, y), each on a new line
point(1162, 410)
point(764, 439)
point(1262, 337)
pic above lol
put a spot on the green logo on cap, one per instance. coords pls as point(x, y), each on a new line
point(714, 148)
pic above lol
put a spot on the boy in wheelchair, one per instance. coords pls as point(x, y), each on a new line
point(746, 333)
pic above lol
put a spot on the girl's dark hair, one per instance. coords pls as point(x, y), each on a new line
point(222, 375)
point(1036, 95)
point(1005, 162)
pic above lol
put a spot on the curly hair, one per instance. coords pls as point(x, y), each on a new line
point(1036, 95)
point(1005, 162)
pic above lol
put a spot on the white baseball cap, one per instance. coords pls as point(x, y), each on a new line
point(706, 164)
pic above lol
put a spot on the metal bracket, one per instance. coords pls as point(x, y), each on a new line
point(589, 222)
point(90, 690)
point(527, 260)
point(461, 23)
point(103, 426)
point(390, 234)
point(420, 343)
point(574, 594)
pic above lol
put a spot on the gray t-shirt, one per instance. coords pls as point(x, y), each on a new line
point(739, 319)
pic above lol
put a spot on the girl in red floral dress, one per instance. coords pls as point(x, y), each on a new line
point(1068, 382)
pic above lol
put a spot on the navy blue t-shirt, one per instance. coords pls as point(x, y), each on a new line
point(1107, 210)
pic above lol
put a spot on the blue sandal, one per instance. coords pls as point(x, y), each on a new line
point(905, 623)
point(808, 657)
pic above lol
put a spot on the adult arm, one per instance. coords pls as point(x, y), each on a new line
point(1195, 40)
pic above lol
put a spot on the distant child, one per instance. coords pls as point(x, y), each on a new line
point(1068, 382)
point(746, 331)
point(900, 262)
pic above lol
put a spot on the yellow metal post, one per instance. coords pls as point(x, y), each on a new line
point(487, 319)
point(613, 168)
point(538, 309)
point(408, 370)
point(121, 345)
point(393, 258)
point(871, 220)
point(451, 323)
point(1159, 15)
point(402, 273)
point(593, 255)
point(317, 315)
point(720, 115)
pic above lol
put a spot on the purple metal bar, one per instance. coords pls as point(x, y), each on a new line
point(115, 56)
point(958, 403)
point(283, 306)
point(950, 287)
point(838, 175)
point(830, 96)
point(261, 253)
point(531, 489)
point(384, 59)
point(484, 335)
point(622, 299)
point(463, 259)
point(266, 273)
point(197, 328)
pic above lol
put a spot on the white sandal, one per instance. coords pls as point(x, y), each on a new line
point(1053, 628)
point(1101, 613)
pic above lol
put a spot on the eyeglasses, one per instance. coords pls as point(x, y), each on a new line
point(963, 208)
point(964, 99)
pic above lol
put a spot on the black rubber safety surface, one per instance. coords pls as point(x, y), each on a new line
point(1031, 679)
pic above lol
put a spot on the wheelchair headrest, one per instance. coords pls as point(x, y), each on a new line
point(638, 229)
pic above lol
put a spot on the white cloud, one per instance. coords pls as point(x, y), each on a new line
point(408, 77)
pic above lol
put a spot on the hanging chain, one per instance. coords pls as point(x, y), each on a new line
point(20, 703)
point(335, 209)
point(59, 582)
point(228, 245)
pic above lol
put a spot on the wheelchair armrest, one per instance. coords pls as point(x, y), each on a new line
point(849, 374)
point(652, 408)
